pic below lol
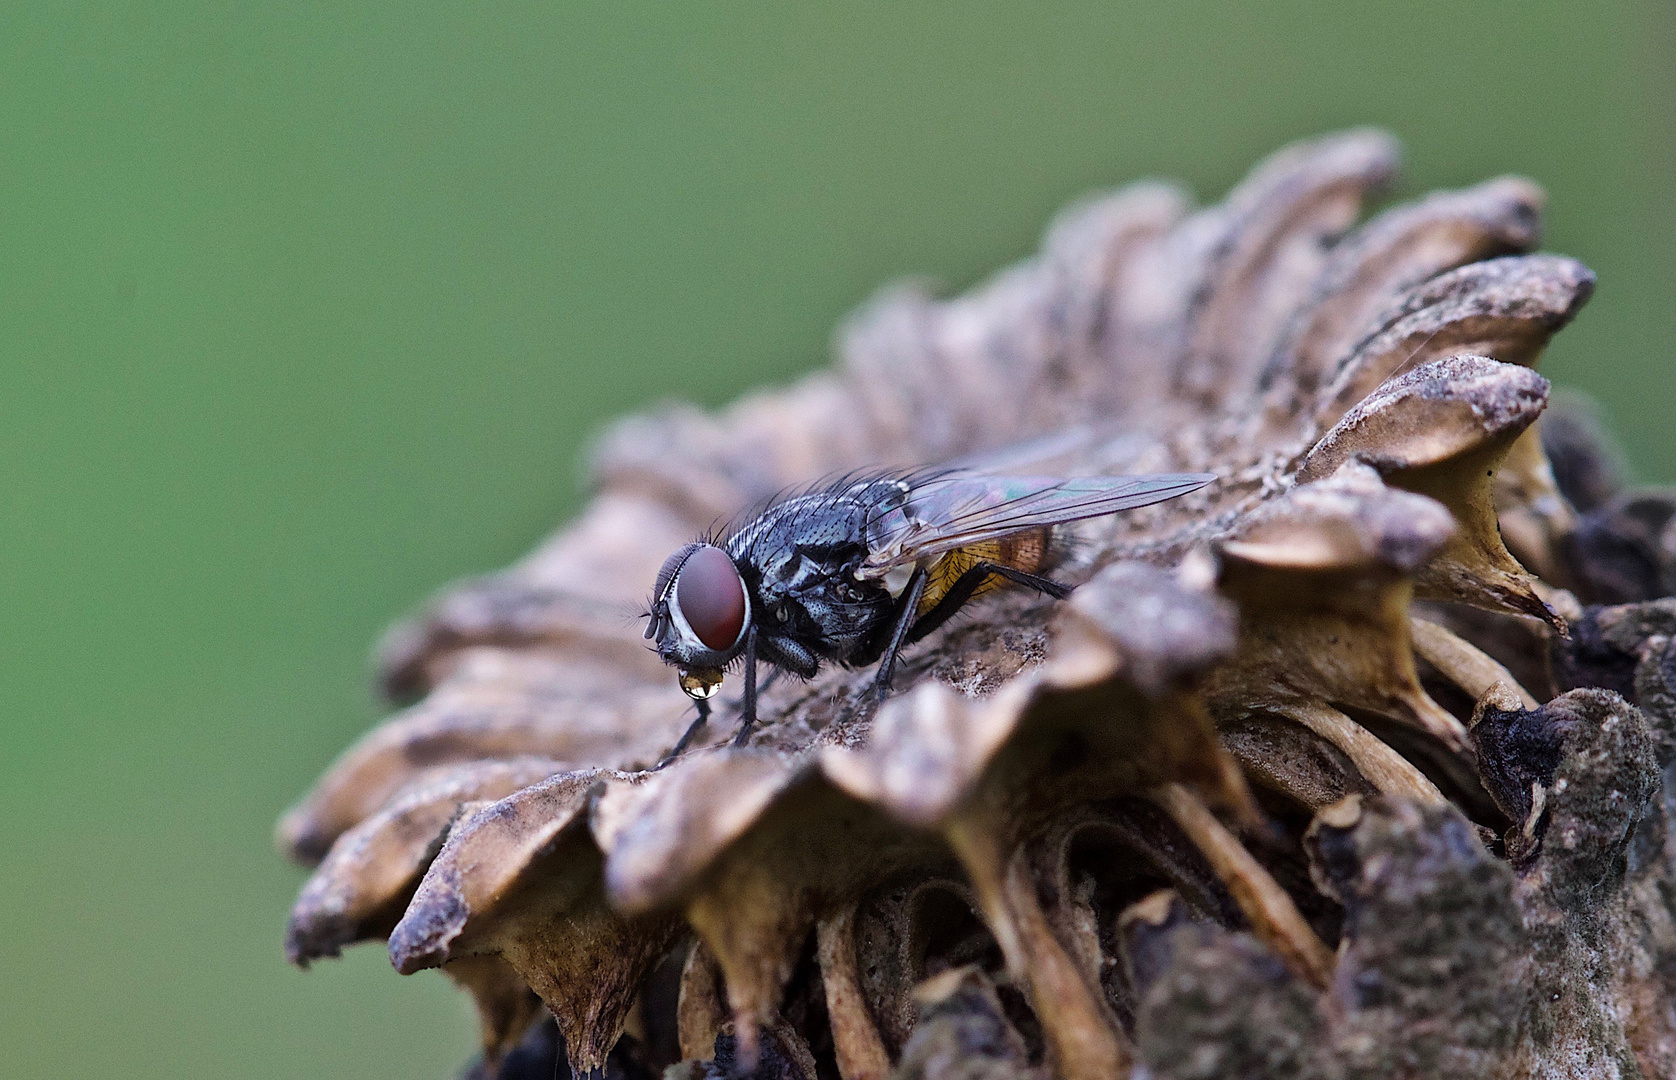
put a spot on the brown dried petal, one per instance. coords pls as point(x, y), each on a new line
point(1536, 521)
point(496, 704)
point(1162, 630)
point(726, 837)
point(365, 882)
point(856, 1041)
point(1471, 669)
point(1280, 755)
point(1442, 430)
point(1588, 465)
point(1625, 550)
point(1091, 248)
point(983, 772)
point(914, 925)
point(1272, 250)
point(708, 467)
point(574, 594)
point(1381, 767)
point(1394, 252)
point(1274, 918)
point(1502, 308)
point(521, 879)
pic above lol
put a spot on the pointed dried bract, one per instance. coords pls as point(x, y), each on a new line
point(1443, 430)
point(1322, 578)
point(363, 885)
point(496, 704)
point(521, 879)
point(1258, 697)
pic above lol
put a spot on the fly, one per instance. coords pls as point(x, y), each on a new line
point(854, 571)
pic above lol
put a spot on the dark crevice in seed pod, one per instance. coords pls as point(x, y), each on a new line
point(1452, 772)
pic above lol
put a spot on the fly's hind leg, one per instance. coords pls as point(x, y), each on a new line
point(772, 677)
point(1047, 586)
point(970, 582)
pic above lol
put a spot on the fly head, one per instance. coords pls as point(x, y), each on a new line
point(701, 613)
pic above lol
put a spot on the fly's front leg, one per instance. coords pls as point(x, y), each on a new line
point(748, 707)
point(692, 729)
point(910, 604)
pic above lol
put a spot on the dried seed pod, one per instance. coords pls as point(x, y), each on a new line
point(1216, 1004)
point(1433, 978)
point(1243, 702)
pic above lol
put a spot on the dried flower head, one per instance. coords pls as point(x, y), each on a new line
point(1333, 768)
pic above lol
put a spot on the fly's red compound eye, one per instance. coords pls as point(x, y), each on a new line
point(711, 597)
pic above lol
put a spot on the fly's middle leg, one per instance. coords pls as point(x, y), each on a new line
point(899, 633)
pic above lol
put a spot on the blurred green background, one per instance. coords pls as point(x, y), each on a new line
point(308, 308)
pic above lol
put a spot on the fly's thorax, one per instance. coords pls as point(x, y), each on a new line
point(809, 593)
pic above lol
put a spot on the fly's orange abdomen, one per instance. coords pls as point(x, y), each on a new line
point(1026, 551)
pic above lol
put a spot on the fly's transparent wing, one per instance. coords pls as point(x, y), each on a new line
point(948, 510)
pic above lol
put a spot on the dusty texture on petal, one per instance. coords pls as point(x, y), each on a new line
point(1501, 308)
point(1336, 767)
